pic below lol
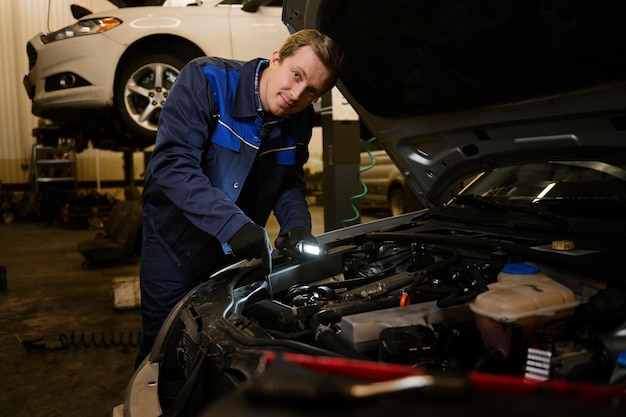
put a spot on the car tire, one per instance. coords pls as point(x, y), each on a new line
point(396, 201)
point(140, 92)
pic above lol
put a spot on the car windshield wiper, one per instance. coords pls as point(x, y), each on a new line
point(477, 199)
point(585, 207)
point(583, 202)
point(535, 210)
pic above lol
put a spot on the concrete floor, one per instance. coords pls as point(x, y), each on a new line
point(50, 291)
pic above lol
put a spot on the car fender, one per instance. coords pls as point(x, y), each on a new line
point(223, 31)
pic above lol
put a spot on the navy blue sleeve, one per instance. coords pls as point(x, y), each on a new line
point(184, 132)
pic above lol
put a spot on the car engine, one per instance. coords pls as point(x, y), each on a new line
point(434, 306)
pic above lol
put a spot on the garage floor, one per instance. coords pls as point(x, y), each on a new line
point(50, 292)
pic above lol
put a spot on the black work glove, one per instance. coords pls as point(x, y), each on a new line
point(288, 243)
point(251, 241)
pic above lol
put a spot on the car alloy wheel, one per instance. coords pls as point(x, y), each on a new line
point(141, 92)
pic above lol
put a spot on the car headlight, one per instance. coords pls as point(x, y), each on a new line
point(82, 27)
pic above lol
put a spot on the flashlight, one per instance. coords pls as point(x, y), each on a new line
point(304, 250)
point(307, 248)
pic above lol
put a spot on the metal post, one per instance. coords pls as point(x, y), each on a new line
point(341, 142)
point(129, 168)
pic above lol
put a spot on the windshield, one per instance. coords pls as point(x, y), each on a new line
point(564, 180)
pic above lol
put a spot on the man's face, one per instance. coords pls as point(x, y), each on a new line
point(289, 86)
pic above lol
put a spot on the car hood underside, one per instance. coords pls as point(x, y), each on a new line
point(451, 89)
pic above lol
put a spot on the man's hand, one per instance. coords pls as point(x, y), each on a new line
point(251, 241)
point(288, 243)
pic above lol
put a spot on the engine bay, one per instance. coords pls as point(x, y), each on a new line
point(447, 309)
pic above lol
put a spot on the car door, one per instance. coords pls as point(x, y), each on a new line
point(263, 25)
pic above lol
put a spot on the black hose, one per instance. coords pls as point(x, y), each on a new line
point(92, 339)
point(421, 275)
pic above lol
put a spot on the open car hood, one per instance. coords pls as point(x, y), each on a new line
point(454, 88)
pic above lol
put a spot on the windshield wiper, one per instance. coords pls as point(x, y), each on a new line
point(479, 200)
point(535, 210)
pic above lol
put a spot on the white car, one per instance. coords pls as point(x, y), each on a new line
point(106, 77)
point(386, 189)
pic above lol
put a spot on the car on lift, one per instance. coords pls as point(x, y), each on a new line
point(508, 298)
point(105, 78)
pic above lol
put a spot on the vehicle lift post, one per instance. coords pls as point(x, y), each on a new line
point(342, 158)
point(129, 165)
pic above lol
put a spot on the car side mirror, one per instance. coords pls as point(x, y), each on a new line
point(253, 5)
point(79, 11)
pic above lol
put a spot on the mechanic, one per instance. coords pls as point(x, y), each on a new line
point(231, 144)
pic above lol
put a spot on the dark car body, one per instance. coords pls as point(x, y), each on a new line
point(507, 297)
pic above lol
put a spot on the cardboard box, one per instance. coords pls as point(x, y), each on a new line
point(126, 293)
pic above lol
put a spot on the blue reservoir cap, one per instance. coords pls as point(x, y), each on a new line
point(520, 269)
point(621, 359)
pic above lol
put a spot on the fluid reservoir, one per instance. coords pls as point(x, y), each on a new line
point(517, 271)
point(523, 298)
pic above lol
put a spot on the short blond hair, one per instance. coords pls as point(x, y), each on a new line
point(327, 50)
